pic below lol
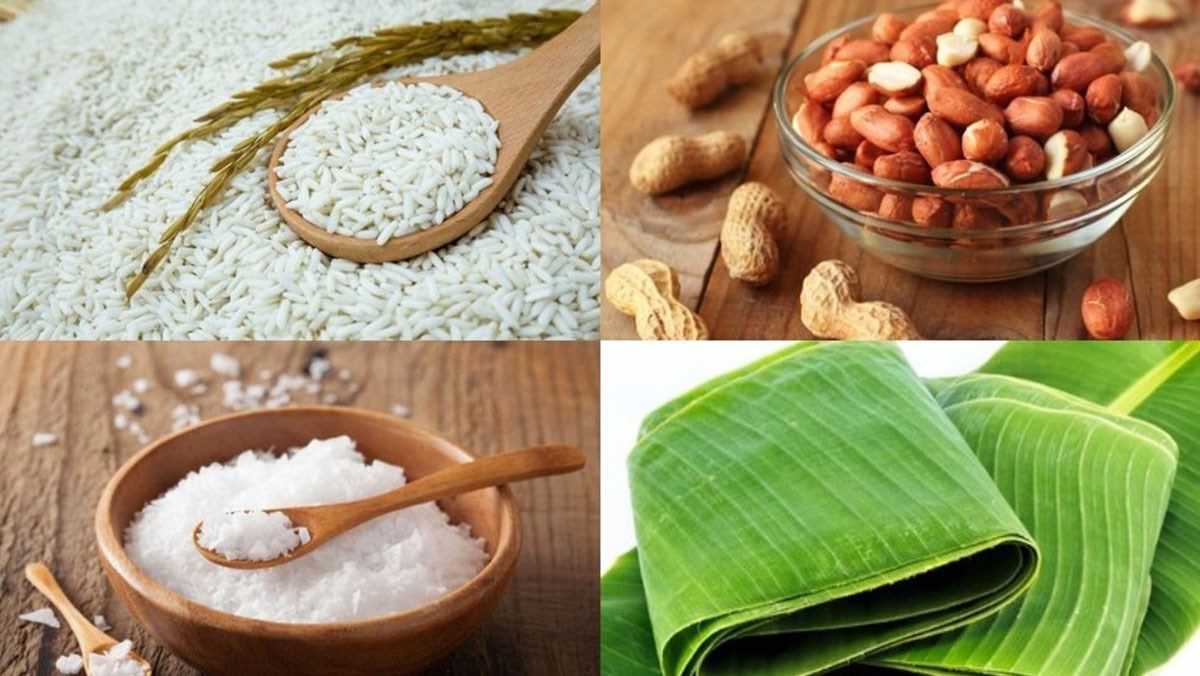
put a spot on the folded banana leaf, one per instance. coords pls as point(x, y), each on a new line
point(743, 485)
point(801, 513)
point(1092, 486)
point(1158, 382)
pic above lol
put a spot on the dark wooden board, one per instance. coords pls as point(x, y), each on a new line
point(487, 397)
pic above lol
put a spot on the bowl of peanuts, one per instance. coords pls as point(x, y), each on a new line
point(975, 140)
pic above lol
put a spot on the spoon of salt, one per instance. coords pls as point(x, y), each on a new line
point(315, 525)
point(91, 640)
point(522, 95)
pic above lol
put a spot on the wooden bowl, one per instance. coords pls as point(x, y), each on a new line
point(220, 643)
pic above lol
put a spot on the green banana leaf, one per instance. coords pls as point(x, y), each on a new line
point(734, 481)
point(803, 512)
point(1092, 486)
point(1158, 382)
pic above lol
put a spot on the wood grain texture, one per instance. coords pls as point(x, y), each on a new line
point(1155, 247)
point(642, 45)
point(485, 396)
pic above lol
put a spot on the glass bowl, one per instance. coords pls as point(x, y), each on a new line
point(1043, 224)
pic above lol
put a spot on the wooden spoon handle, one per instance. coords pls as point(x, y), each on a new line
point(545, 78)
point(88, 635)
point(495, 470)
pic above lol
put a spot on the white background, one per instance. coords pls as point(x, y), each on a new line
point(637, 377)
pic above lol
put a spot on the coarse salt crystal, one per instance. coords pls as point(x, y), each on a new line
point(69, 664)
point(116, 661)
point(124, 361)
point(225, 365)
point(101, 623)
point(401, 411)
point(124, 399)
point(318, 367)
point(252, 535)
point(186, 378)
point(41, 616)
point(43, 439)
point(141, 385)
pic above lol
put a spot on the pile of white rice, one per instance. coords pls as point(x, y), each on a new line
point(389, 161)
point(92, 87)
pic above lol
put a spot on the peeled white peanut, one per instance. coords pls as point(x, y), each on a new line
point(1065, 203)
point(1126, 129)
point(1144, 12)
point(970, 28)
point(1186, 299)
point(1137, 56)
point(894, 78)
point(954, 49)
point(1058, 152)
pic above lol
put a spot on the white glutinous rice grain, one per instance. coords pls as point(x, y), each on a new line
point(41, 616)
point(388, 565)
point(252, 535)
point(90, 88)
point(44, 439)
point(69, 664)
point(225, 365)
point(116, 661)
point(390, 160)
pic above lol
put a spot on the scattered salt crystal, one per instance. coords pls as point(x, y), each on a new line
point(120, 421)
point(186, 378)
point(198, 388)
point(101, 623)
point(391, 564)
point(265, 375)
point(329, 398)
point(183, 415)
point(318, 366)
point(43, 439)
point(345, 375)
point(69, 664)
point(401, 411)
point(116, 661)
point(252, 535)
point(135, 428)
point(124, 399)
point(41, 616)
point(225, 365)
point(142, 385)
point(124, 361)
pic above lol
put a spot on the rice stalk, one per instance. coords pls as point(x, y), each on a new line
point(316, 76)
point(11, 9)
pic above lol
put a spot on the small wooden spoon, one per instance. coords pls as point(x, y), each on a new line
point(523, 95)
point(91, 639)
point(325, 522)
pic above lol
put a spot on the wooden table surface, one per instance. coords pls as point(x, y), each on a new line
point(485, 396)
point(1155, 248)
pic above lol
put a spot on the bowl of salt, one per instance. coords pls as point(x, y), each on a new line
point(393, 596)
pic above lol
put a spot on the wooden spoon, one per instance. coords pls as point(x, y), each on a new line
point(523, 95)
point(325, 522)
point(91, 639)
